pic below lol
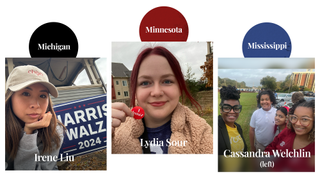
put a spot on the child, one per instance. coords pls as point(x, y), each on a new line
point(32, 128)
point(281, 119)
point(262, 122)
point(299, 136)
point(167, 127)
point(300, 133)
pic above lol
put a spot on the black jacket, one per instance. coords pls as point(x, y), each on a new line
point(223, 137)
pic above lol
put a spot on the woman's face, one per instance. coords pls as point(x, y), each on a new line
point(303, 113)
point(30, 103)
point(157, 89)
point(265, 102)
point(280, 118)
point(230, 117)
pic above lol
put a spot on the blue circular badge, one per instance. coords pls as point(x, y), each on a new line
point(266, 40)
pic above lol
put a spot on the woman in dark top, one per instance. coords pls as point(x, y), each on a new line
point(230, 137)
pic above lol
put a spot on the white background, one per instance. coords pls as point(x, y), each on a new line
point(98, 23)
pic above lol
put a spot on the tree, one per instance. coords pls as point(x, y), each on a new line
point(227, 81)
point(279, 85)
point(208, 72)
point(192, 85)
point(269, 82)
point(242, 84)
point(220, 81)
point(286, 84)
point(294, 88)
point(189, 75)
point(306, 89)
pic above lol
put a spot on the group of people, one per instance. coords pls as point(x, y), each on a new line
point(270, 128)
point(157, 84)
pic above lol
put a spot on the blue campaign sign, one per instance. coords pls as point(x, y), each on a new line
point(85, 121)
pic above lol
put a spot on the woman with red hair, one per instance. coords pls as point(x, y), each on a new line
point(157, 84)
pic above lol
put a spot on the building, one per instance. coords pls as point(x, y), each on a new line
point(304, 79)
point(209, 51)
point(120, 81)
point(208, 66)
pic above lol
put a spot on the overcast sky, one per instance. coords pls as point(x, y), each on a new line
point(83, 79)
point(191, 53)
point(252, 70)
point(252, 77)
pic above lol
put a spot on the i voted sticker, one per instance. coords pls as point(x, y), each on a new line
point(138, 112)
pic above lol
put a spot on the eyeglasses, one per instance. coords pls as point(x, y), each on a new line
point(228, 108)
point(305, 121)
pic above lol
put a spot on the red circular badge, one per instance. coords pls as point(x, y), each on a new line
point(163, 24)
point(138, 112)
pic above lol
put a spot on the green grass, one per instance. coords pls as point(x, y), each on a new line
point(249, 105)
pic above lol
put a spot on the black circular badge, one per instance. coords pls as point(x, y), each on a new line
point(53, 39)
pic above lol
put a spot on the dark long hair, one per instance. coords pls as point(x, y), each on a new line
point(285, 112)
point(308, 104)
point(49, 136)
point(175, 66)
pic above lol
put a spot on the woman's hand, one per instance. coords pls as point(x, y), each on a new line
point(43, 122)
point(119, 113)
